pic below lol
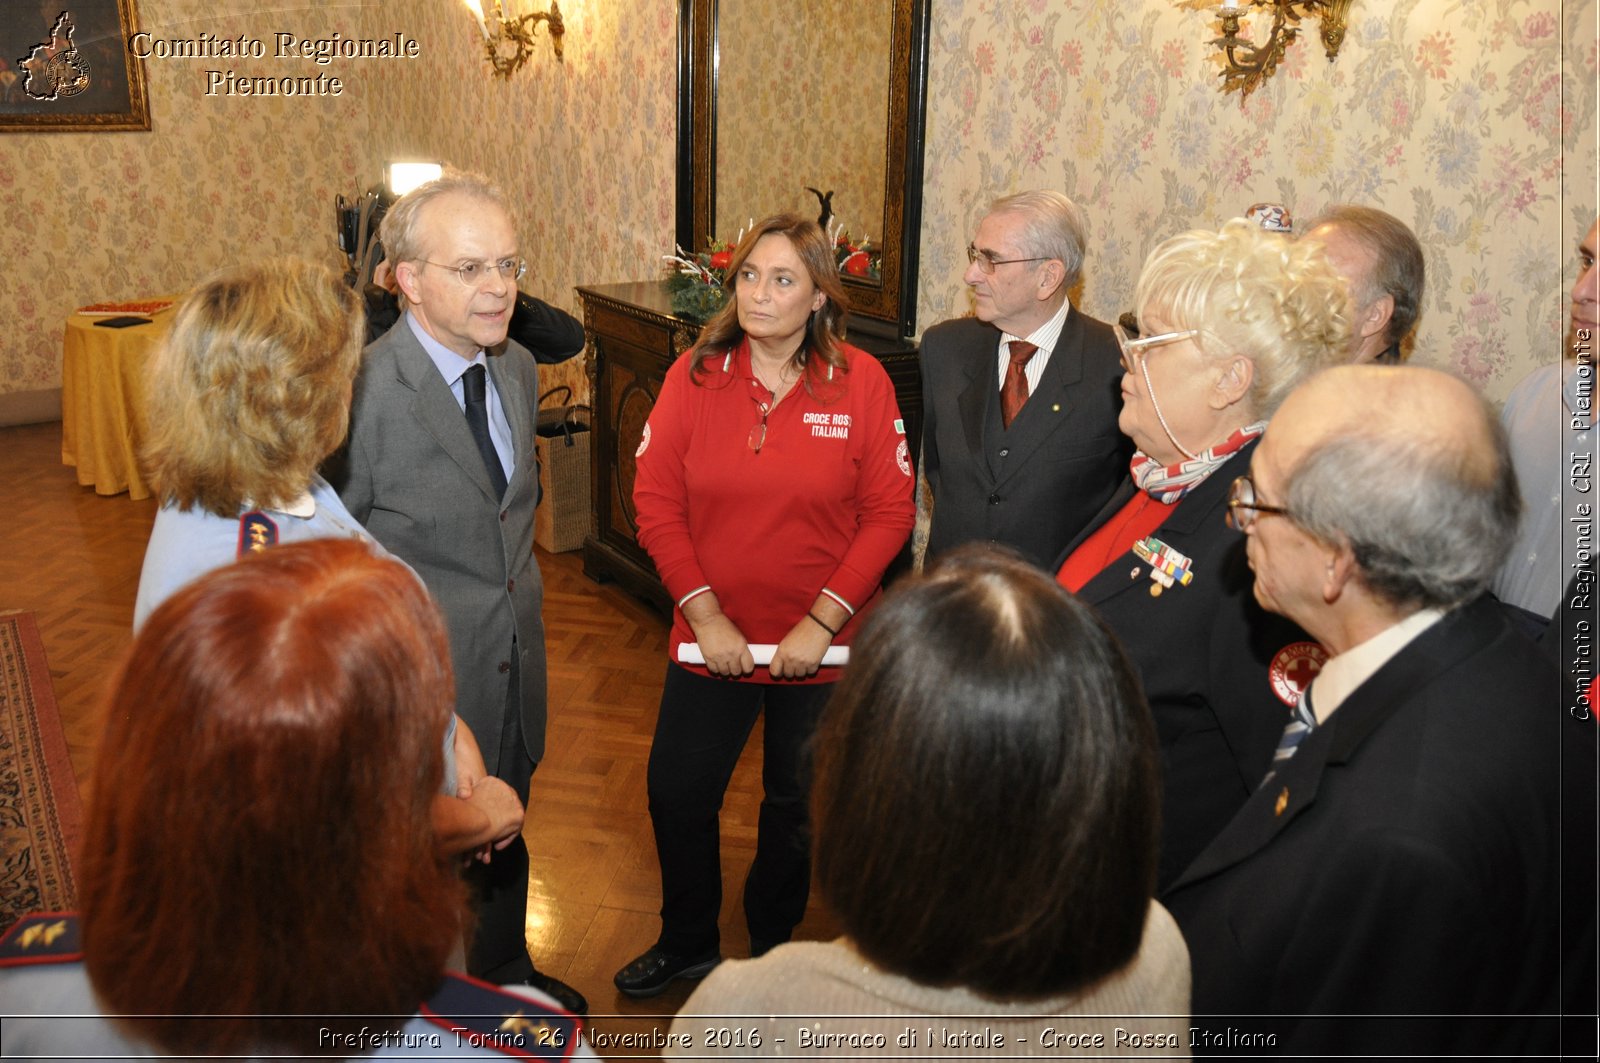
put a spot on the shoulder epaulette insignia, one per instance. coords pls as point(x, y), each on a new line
point(44, 937)
point(257, 531)
point(486, 1016)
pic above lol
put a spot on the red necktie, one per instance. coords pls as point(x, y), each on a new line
point(1014, 392)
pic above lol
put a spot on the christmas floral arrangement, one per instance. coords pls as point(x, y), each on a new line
point(695, 281)
point(857, 259)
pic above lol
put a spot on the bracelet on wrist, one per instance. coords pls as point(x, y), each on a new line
point(832, 632)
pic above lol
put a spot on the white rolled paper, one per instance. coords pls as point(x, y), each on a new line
point(832, 657)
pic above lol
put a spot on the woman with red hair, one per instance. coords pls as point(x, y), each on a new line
point(260, 875)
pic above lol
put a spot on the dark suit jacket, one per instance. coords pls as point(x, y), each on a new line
point(411, 473)
point(1066, 453)
point(550, 333)
point(1404, 861)
point(1204, 653)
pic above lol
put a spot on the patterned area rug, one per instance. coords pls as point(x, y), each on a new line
point(40, 817)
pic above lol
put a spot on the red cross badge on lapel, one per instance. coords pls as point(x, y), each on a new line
point(1293, 668)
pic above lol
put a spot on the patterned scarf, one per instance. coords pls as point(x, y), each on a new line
point(1168, 483)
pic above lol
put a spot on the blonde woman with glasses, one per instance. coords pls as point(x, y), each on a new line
point(1231, 321)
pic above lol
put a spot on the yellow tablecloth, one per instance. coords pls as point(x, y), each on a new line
point(102, 402)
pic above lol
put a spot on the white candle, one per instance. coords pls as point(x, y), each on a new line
point(477, 12)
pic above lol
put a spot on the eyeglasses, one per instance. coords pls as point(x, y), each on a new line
point(1133, 348)
point(1243, 509)
point(1134, 358)
point(473, 274)
point(758, 434)
point(988, 262)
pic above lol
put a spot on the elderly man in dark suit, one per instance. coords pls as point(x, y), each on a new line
point(440, 468)
point(1019, 439)
point(1393, 886)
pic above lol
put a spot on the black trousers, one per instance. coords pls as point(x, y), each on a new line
point(700, 732)
point(499, 949)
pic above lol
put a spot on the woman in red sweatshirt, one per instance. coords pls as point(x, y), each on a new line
point(773, 487)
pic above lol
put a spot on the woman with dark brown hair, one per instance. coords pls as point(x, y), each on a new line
point(773, 488)
point(260, 874)
point(985, 810)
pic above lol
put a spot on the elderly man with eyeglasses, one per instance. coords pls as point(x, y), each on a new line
point(1394, 886)
point(1019, 438)
point(439, 466)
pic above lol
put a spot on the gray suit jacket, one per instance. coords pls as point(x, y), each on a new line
point(1066, 454)
point(411, 473)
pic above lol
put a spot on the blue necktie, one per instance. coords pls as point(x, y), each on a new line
point(1302, 722)
point(474, 390)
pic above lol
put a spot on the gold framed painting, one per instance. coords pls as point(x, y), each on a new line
point(65, 66)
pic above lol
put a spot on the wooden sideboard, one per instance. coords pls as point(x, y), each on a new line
point(633, 338)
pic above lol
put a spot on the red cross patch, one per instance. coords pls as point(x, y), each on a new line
point(1293, 668)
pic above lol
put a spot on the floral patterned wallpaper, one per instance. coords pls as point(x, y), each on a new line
point(803, 104)
point(585, 147)
point(94, 216)
point(1471, 120)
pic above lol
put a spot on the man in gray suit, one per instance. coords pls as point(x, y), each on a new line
point(440, 468)
point(1019, 440)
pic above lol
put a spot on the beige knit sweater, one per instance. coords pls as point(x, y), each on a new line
point(824, 1000)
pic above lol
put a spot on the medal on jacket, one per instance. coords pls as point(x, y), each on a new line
point(1167, 566)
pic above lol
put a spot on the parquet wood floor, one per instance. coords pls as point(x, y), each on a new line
point(73, 558)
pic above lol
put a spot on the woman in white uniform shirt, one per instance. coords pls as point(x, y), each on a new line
point(249, 393)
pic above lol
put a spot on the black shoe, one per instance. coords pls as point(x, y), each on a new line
point(651, 973)
point(568, 997)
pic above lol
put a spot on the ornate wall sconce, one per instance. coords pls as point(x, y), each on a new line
point(509, 43)
point(1245, 64)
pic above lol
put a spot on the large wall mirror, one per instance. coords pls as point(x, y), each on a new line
point(818, 94)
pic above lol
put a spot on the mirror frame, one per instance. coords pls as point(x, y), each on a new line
point(892, 303)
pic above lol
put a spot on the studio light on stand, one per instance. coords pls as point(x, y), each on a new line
point(356, 221)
